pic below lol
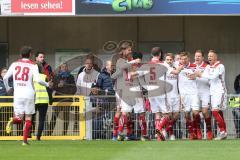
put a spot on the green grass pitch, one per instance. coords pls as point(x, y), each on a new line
point(109, 150)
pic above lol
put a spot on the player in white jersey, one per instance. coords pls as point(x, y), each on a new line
point(173, 99)
point(188, 92)
point(204, 96)
point(215, 73)
point(159, 104)
point(124, 107)
point(23, 71)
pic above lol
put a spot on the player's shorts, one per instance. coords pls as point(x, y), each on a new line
point(204, 99)
point(23, 106)
point(219, 101)
point(190, 102)
point(174, 104)
point(158, 104)
point(139, 107)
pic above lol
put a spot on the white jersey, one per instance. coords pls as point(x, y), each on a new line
point(23, 71)
point(173, 80)
point(186, 85)
point(163, 77)
point(202, 83)
point(216, 75)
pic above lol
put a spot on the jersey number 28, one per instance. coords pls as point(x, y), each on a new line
point(21, 73)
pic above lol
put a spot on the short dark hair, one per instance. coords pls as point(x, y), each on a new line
point(39, 52)
point(170, 55)
point(26, 51)
point(156, 51)
point(185, 54)
point(200, 51)
point(213, 51)
point(136, 55)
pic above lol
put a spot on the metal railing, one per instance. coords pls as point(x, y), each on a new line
point(78, 117)
point(65, 119)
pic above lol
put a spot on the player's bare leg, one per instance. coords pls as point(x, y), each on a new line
point(196, 124)
point(189, 124)
point(207, 118)
point(116, 123)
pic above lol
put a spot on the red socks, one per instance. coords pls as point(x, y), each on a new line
point(189, 123)
point(143, 125)
point(160, 124)
point(157, 124)
point(26, 130)
point(221, 113)
point(208, 123)
point(197, 122)
point(220, 120)
point(115, 126)
point(129, 126)
point(17, 120)
point(169, 127)
point(164, 122)
point(122, 122)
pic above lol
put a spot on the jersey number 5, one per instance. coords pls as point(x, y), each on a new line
point(21, 73)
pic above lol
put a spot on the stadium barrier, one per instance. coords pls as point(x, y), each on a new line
point(78, 117)
point(65, 119)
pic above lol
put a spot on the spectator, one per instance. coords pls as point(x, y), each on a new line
point(84, 83)
point(47, 69)
point(235, 102)
point(104, 81)
point(237, 84)
point(5, 112)
point(64, 84)
point(96, 63)
point(104, 86)
point(41, 100)
point(86, 78)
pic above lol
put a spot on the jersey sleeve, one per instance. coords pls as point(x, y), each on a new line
point(219, 71)
point(36, 75)
point(7, 76)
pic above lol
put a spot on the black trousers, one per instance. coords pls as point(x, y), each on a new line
point(236, 115)
point(42, 109)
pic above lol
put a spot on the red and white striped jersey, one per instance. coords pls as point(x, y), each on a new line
point(216, 75)
point(202, 83)
point(23, 71)
point(186, 85)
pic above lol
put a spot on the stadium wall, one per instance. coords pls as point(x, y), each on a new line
point(51, 33)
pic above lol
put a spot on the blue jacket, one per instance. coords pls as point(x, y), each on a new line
point(105, 83)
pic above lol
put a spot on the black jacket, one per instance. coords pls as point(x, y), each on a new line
point(237, 84)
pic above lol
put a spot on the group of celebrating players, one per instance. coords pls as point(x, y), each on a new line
point(195, 87)
point(179, 86)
